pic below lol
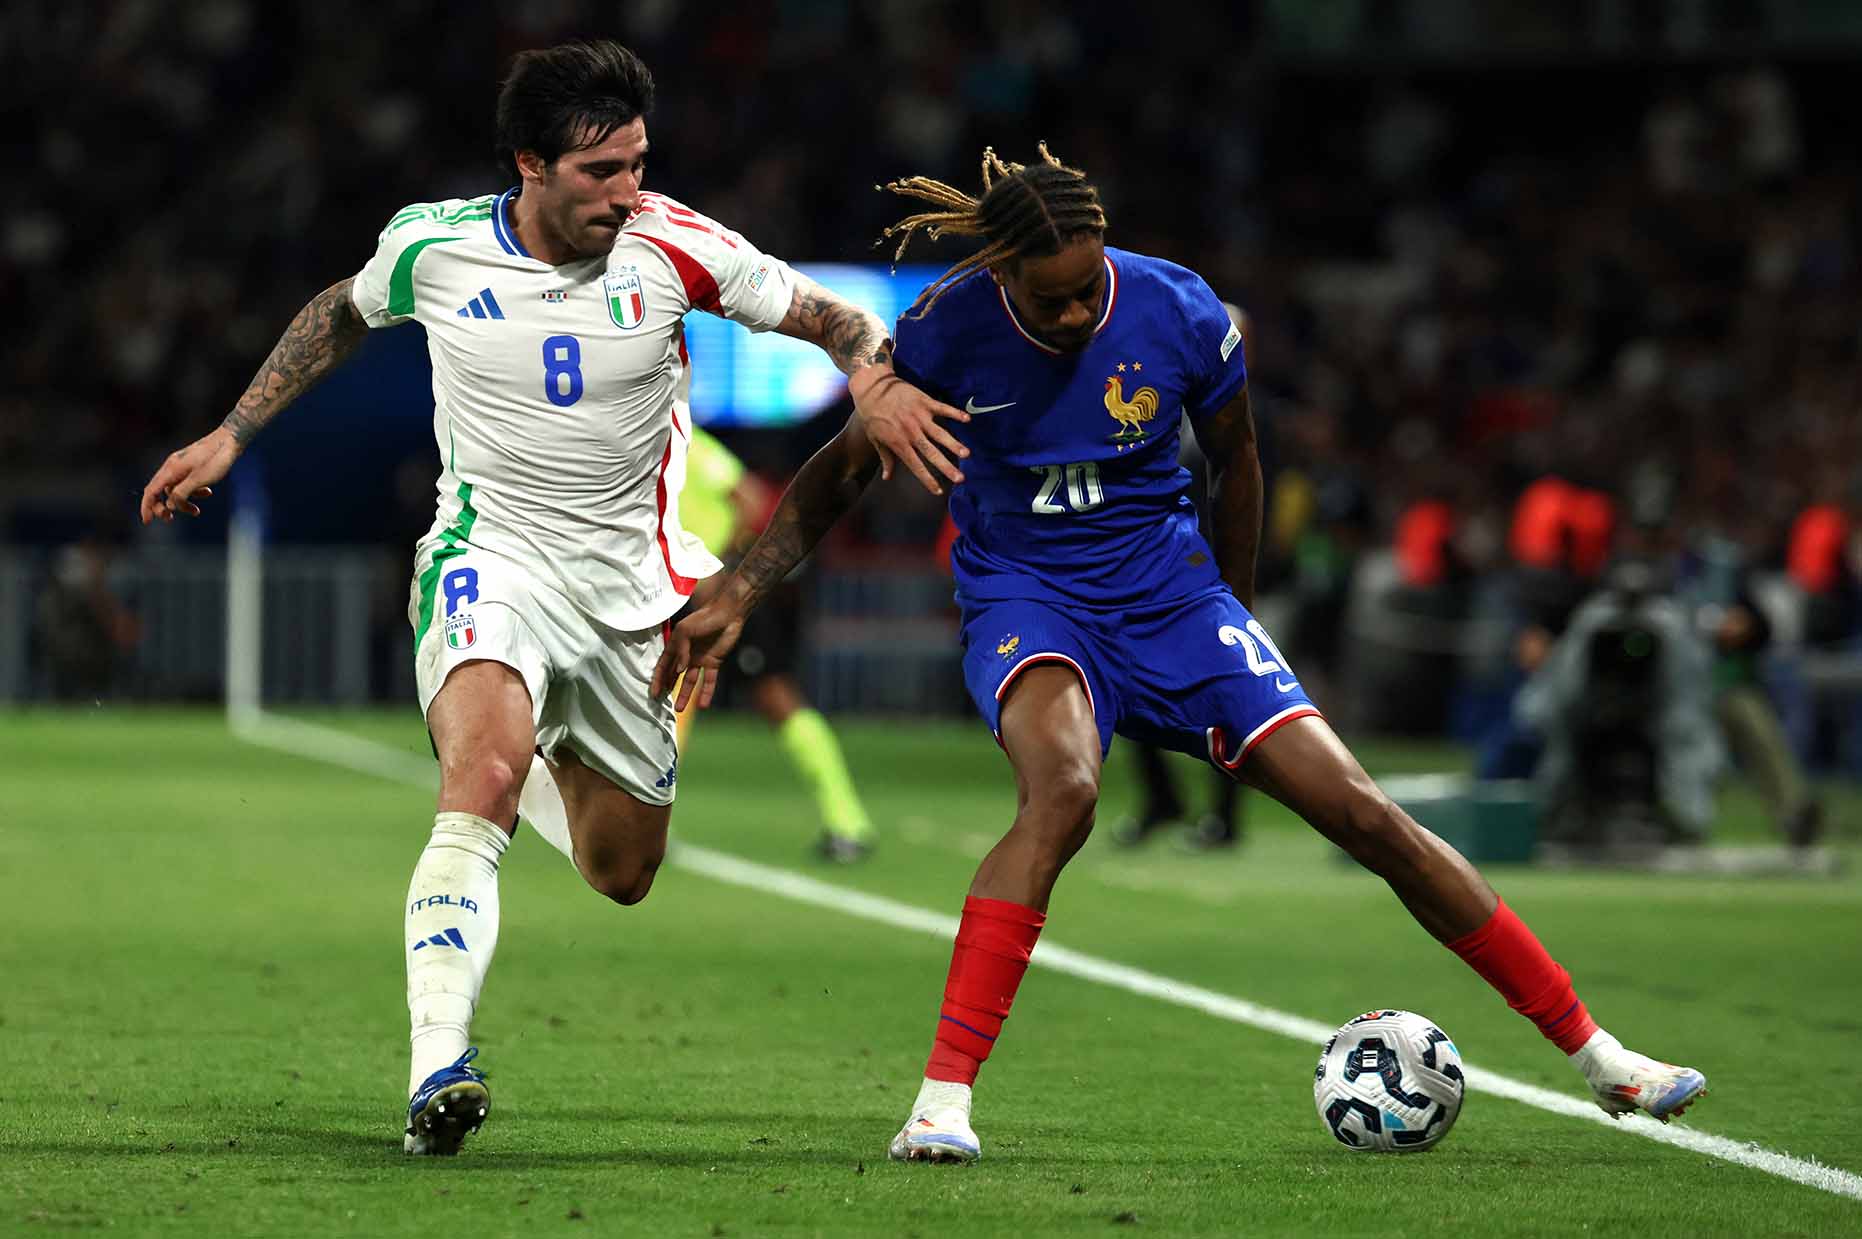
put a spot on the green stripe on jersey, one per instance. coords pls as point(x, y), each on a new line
point(462, 217)
point(452, 545)
point(470, 207)
point(469, 210)
point(431, 210)
point(401, 283)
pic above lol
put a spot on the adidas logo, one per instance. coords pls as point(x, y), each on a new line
point(482, 306)
point(670, 777)
point(451, 937)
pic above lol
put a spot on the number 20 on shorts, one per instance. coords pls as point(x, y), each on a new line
point(1253, 640)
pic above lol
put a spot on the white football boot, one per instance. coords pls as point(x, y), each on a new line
point(939, 1129)
point(1624, 1081)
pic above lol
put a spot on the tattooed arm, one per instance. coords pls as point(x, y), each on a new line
point(826, 488)
point(324, 332)
point(900, 421)
point(854, 337)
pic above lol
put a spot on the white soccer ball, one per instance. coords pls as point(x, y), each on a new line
point(1389, 1082)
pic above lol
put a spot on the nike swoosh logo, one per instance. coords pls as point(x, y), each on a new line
point(1286, 688)
point(970, 406)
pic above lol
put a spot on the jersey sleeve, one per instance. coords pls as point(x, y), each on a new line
point(383, 289)
point(723, 273)
point(915, 355)
point(754, 288)
point(1215, 367)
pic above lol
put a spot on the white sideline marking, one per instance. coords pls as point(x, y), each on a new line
point(337, 748)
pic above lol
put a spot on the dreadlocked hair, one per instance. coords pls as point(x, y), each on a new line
point(1026, 211)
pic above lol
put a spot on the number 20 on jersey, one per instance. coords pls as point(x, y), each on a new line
point(1067, 488)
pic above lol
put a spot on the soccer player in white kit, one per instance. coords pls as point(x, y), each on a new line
point(541, 593)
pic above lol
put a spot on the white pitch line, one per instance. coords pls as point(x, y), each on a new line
point(352, 752)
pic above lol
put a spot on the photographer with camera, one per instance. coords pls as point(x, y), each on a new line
point(1623, 701)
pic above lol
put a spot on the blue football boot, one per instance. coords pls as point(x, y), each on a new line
point(448, 1106)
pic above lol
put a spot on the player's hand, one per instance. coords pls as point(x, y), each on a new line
point(188, 473)
point(902, 424)
point(695, 650)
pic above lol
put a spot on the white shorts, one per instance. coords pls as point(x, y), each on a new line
point(588, 683)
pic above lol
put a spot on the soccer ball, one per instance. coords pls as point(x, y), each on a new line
point(1389, 1082)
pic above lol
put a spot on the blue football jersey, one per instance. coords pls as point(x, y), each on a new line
point(1072, 493)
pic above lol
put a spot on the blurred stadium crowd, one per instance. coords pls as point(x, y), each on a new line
point(1526, 292)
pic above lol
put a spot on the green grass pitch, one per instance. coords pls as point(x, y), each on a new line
point(202, 1026)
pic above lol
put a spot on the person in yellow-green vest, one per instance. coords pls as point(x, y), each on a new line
point(725, 505)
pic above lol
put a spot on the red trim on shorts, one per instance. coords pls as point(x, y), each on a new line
point(701, 288)
point(1218, 738)
point(1029, 661)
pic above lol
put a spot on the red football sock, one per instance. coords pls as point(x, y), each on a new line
point(1511, 959)
point(994, 941)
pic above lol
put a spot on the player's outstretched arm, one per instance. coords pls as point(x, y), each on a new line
point(1227, 439)
point(323, 333)
point(826, 488)
point(900, 420)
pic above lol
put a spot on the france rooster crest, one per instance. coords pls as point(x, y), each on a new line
point(626, 295)
point(1131, 414)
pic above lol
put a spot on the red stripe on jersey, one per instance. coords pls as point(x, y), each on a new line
point(701, 288)
point(1112, 298)
point(686, 217)
point(680, 584)
point(704, 228)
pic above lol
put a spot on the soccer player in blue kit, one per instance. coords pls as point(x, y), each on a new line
point(1092, 605)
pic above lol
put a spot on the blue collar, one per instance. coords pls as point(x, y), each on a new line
point(501, 226)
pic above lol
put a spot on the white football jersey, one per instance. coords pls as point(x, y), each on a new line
point(558, 391)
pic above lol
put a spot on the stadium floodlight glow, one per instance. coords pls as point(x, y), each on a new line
point(742, 378)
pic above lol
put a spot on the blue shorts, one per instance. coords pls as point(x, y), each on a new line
point(1200, 677)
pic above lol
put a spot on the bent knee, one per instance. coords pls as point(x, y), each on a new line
point(1376, 828)
point(1058, 815)
point(1068, 798)
point(626, 879)
point(485, 784)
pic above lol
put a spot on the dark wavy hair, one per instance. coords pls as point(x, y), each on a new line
point(568, 98)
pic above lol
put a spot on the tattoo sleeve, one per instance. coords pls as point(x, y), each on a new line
point(853, 337)
point(1234, 494)
point(324, 332)
point(824, 491)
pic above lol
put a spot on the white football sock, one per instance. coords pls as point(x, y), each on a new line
point(1595, 1053)
point(451, 932)
point(542, 806)
point(936, 1096)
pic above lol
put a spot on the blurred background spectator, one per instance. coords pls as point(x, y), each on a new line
point(1501, 261)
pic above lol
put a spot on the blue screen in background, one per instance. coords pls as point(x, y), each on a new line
point(740, 378)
